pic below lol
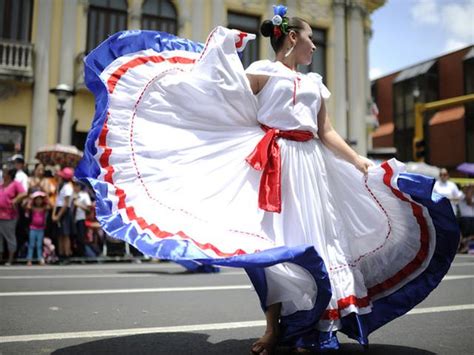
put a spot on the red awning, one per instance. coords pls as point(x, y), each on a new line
point(448, 115)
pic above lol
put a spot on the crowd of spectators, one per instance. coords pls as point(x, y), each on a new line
point(46, 216)
point(462, 203)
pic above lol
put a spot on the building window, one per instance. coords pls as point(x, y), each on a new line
point(318, 64)
point(406, 93)
point(159, 15)
point(250, 24)
point(105, 17)
point(373, 91)
point(15, 19)
point(12, 141)
point(469, 115)
point(404, 113)
point(469, 75)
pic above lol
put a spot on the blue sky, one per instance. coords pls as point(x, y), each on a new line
point(407, 32)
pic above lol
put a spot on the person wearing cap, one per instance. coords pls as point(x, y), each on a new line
point(20, 176)
point(62, 212)
point(448, 189)
point(36, 209)
point(11, 194)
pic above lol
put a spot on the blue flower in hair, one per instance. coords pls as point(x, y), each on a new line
point(279, 10)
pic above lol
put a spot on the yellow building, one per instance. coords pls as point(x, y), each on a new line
point(43, 43)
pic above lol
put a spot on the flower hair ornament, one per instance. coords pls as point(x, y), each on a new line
point(279, 20)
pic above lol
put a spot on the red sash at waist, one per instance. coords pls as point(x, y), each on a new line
point(266, 156)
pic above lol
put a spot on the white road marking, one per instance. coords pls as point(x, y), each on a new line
point(461, 307)
point(457, 277)
point(119, 266)
point(129, 290)
point(131, 331)
point(101, 276)
point(181, 328)
point(75, 276)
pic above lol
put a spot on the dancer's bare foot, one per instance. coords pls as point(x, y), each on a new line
point(266, 344)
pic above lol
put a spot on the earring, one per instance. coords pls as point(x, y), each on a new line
point(289, 51)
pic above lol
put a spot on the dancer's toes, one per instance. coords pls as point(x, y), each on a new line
point(259, 348)
point(265, 345)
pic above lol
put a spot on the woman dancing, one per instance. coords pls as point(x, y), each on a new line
point(193, 158)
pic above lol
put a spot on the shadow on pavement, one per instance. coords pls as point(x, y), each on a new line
point(195, 343)
point(171, 343)
point(382, 349)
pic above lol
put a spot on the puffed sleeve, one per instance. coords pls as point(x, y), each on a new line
point(318, 79)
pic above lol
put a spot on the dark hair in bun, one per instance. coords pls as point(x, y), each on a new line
point(267, 30)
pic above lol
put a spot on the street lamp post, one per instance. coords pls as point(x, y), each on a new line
point(62, 93)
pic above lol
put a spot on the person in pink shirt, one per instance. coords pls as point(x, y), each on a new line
point(11, 193)
point(37, 209)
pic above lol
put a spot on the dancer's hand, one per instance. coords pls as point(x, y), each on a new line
point(362, 164)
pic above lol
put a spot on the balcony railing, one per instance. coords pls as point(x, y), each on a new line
point(16, 59)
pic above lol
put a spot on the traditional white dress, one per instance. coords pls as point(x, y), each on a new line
point(166, 155)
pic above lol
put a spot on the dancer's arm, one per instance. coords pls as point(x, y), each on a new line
point(335, 143)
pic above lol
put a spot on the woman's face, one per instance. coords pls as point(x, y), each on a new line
point(38, 201)
point(304, 46)
point(39, 171)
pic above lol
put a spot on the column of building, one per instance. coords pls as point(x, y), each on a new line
point(199, 31)
point(368, 94)
point(39, 116)
point(339, 89)
point(357, 77)
point(184, 19)
point(67, 60)
point(219, 17)
point(135, 12)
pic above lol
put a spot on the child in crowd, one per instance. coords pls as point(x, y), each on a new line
point(49, 251)
point(37, 209)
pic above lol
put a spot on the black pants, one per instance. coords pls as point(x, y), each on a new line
point(466, 225)
point(80, 237)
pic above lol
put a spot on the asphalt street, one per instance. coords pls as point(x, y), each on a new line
point(157, 308)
